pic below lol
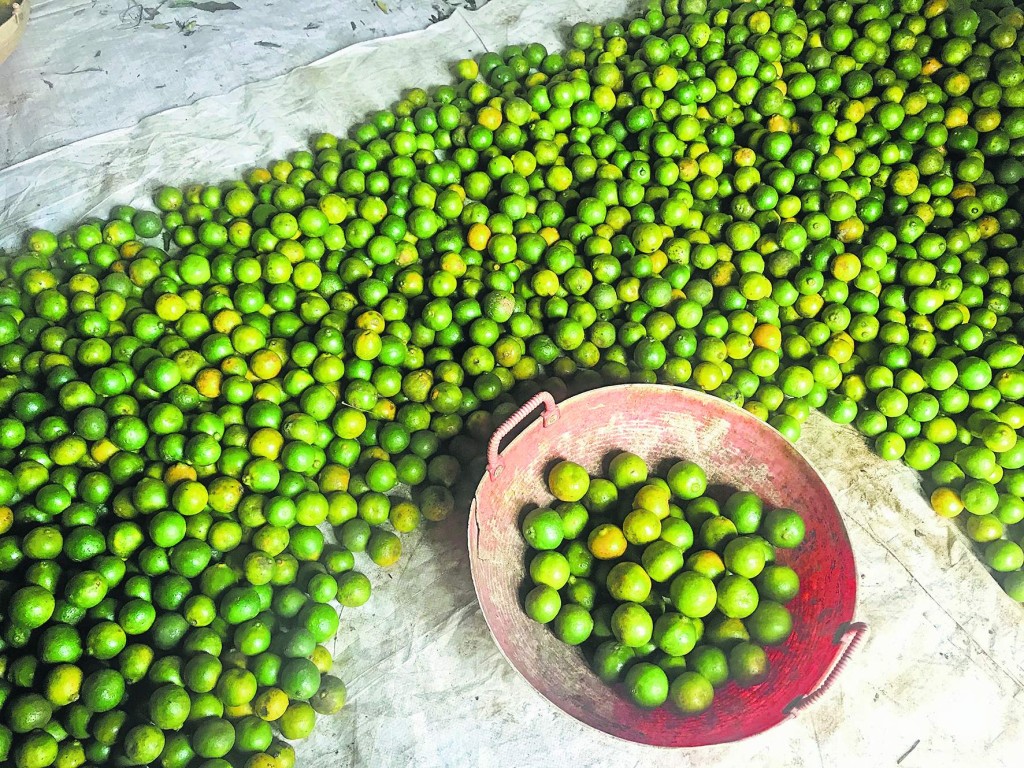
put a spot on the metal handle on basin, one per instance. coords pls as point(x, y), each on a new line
point(550, 415)
point(853, 635)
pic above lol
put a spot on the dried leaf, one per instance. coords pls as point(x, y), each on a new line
point(214, 7)
point(209, 7)
point(77, 71)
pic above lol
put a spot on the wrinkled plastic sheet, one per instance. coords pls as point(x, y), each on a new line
point(86, 67)
point(939, 680)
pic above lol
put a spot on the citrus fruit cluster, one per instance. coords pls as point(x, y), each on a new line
point(670, 590)
point(791, 204)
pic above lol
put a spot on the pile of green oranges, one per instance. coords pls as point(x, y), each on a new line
point(210, 409)
point(670, 589)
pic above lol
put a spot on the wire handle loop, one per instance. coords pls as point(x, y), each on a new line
point(853, 635)
point(550, 415)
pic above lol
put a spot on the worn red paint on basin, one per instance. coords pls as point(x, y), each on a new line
point(662, 424)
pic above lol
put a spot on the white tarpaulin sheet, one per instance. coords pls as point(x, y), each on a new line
point(939, 681)
point(89, 66)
